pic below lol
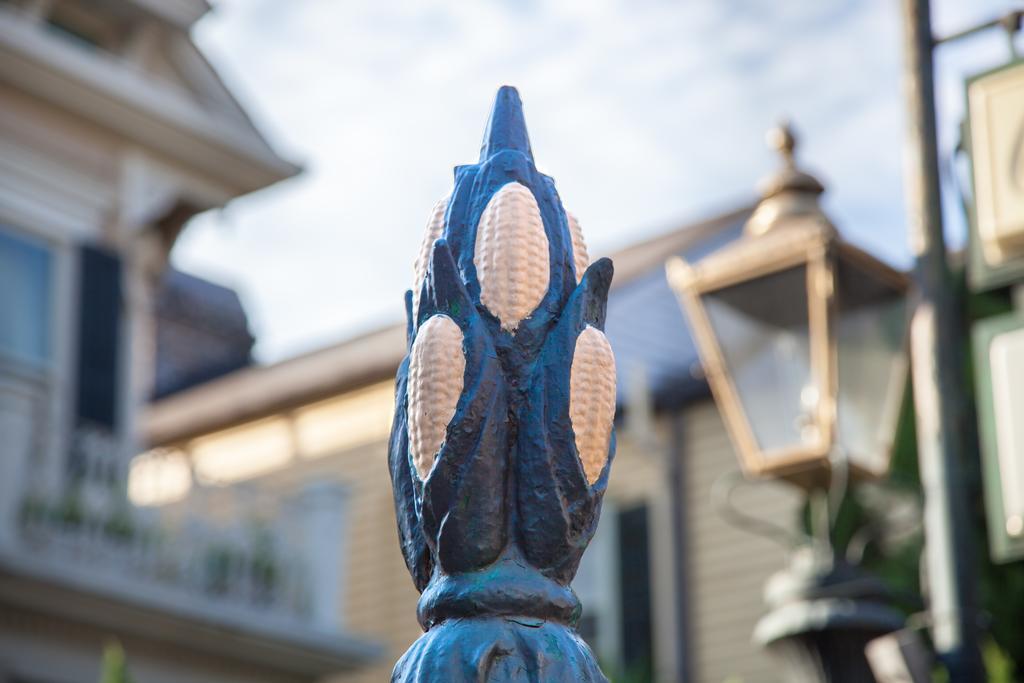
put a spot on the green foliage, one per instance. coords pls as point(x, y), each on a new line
point(69, 511)
point(1001, 595)
point(263, 562)
point(898, 564)
point(115, 668)
point(33, 510)
point(997, 664)
point(865, 519)
point(120, 526)
point(1001, 587)
point(259, 559)
point(640, 672)
point(218, 562)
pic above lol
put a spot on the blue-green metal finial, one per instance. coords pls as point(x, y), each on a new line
point(507, 127)
point(494, 532)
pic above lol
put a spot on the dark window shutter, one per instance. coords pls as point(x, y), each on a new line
point(635, 592)
point(98, 337)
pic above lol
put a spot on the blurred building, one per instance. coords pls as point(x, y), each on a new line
point(666, 585)
point(114, 131)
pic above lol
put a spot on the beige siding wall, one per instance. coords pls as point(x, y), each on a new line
point(380, 600)
point(727, 567)
point(638, 476)
point(378, 597)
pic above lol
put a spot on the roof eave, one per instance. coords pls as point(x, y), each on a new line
point(180, 13)
point(115, 96)
point(201, 409)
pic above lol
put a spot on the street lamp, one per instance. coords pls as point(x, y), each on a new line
point(801, 336)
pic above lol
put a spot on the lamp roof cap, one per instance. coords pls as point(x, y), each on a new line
point(789, 196)
point(789, 178)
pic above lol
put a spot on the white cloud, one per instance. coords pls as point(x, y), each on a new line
point(647, 113)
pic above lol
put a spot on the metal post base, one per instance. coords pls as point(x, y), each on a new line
point(823, 612)
point(498, 649)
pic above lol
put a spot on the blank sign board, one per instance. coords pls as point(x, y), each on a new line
point(996, 103)
point(999, 358)
point(995, 141)
point(1006, 355)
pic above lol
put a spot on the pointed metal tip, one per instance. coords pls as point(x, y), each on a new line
point(507, 126)
point(782, 138)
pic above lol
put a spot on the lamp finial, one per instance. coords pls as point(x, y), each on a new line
point(788, 192)
point(782, 139)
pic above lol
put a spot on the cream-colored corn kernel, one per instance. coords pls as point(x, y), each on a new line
point(580, 259)
point(592, 399)
point(435, 226)
point(436, 369)
point(511, 255)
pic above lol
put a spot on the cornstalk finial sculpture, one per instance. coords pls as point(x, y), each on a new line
point(502, 437)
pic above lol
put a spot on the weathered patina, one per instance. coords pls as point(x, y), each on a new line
point(493, 525)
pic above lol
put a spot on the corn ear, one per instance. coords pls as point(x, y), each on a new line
point(592, 399)
point(511, 255)
point(436, 370)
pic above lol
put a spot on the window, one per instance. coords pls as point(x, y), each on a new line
point(635, 592)
point(25, 299)
point(99, 333)
point(596, 585)
point(614, 585)
point(95, 440)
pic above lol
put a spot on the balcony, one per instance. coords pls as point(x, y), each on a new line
point(228, 571)
point(241, 568)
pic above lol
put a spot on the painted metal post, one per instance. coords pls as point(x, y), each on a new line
point(502, 438)
point(681, 581)
point(937, 358)
point(823, 611)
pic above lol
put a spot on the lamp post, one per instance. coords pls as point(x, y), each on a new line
point(802, 337)
point(502, 439)
point(937, 340)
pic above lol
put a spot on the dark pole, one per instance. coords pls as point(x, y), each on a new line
point(677, 483)
point(939, 386)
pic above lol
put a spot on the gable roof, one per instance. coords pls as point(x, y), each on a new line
point(181, 13)
point(645, 326)
point(177, 106)
point(202, 332)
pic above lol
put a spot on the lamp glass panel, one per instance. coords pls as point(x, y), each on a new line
point(763, 331)
point(871, 329)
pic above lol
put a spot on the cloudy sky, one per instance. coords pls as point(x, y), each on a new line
point(648, 113)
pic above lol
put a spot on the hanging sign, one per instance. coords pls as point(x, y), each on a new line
point(999, 368)
point(995, 140)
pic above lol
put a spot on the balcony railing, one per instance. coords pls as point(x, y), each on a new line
point(245, 566)
point(235, 554)
point(282, 570)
